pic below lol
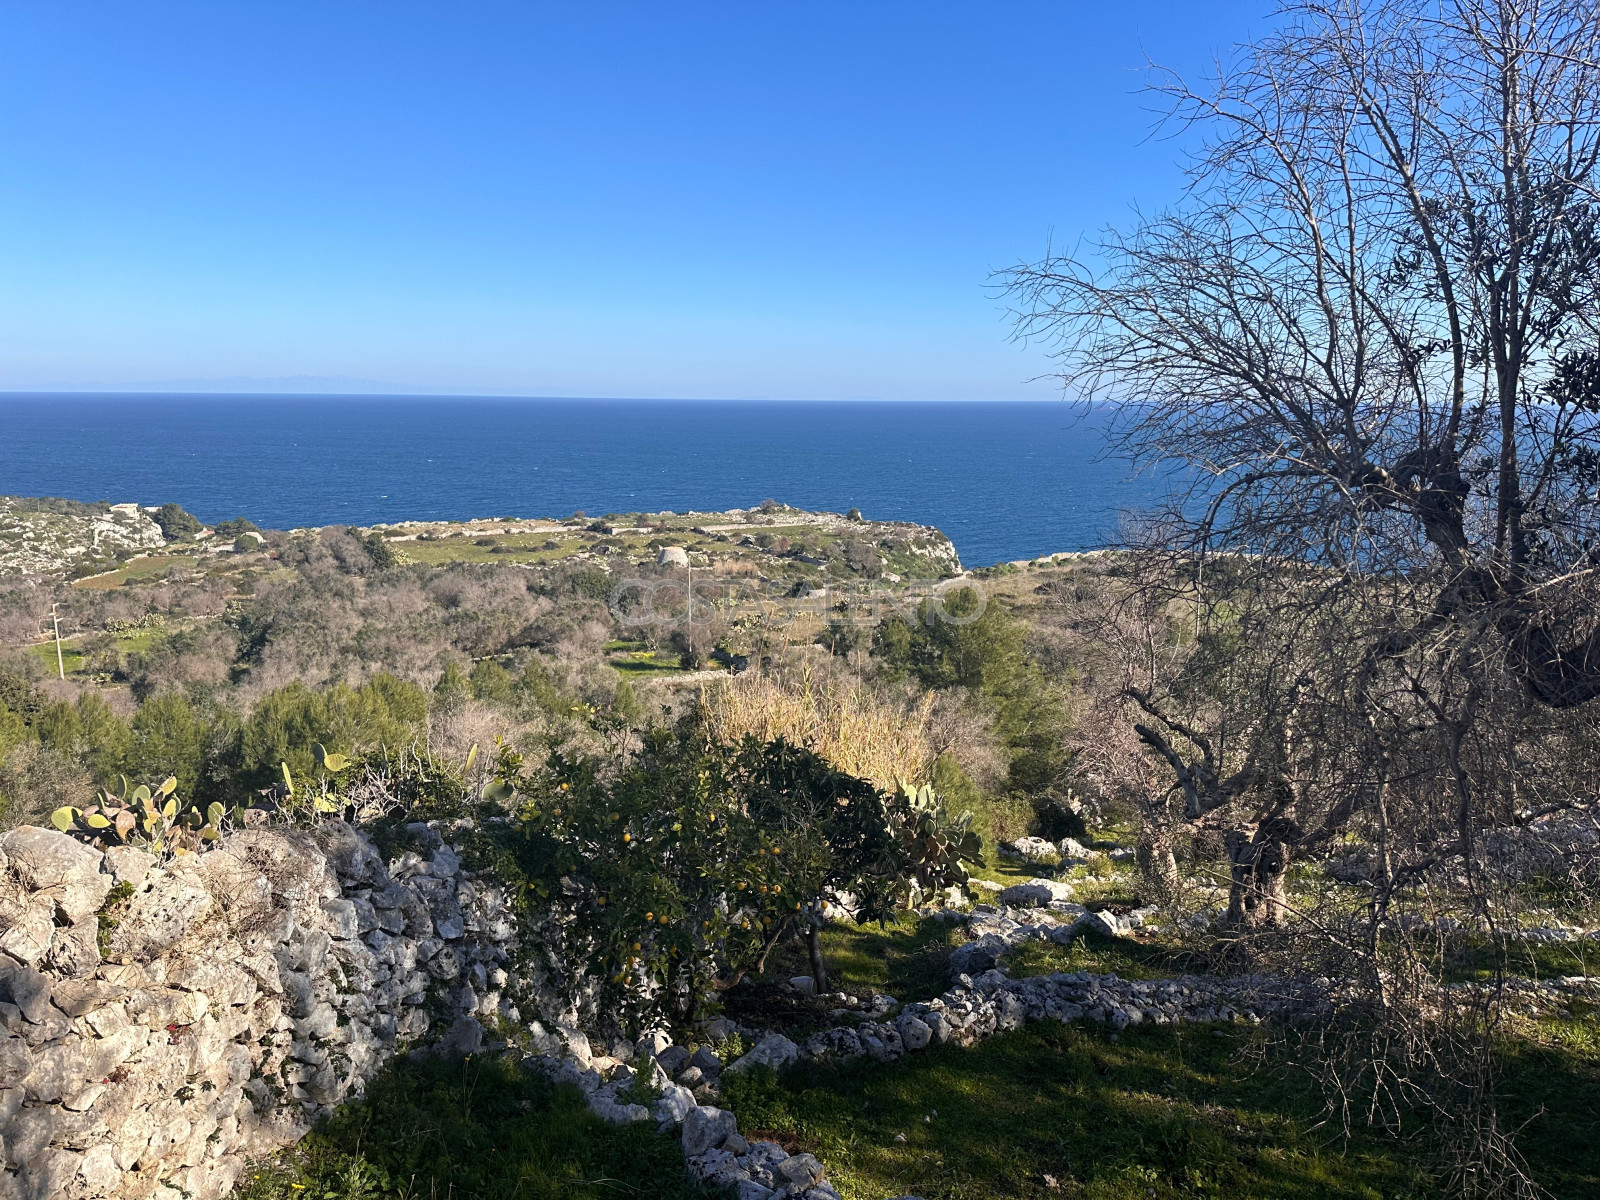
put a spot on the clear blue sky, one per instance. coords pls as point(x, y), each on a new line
point(766, 198)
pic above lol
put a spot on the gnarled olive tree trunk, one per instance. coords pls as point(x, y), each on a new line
point(1258, 861)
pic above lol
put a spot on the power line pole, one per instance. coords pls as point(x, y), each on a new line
point(61, 668)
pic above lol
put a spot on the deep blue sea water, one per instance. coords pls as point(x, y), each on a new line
point(1004, 481)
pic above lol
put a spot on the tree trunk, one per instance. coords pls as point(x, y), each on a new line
point(819, 969)
point(1157, 863)
point(1259, 860)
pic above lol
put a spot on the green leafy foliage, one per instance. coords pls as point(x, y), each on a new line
point(176, 524)
point(934, 845)
point(13, 731)
point(20, 697)
point(453, 689)
point(691, 865)
point(235, 527)
point(312, 798)
point(169, 738)
point(490, 681)
point(286, 724)
point(384, 556)
point(963, 641)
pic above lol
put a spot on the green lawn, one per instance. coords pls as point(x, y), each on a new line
point(481, 1130)
point(639, 660)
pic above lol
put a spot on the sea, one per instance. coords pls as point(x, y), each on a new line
point(1005, 481)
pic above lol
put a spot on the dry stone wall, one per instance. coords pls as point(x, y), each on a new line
point(164, 1023)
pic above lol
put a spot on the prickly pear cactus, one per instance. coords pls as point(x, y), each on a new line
point(154, 819)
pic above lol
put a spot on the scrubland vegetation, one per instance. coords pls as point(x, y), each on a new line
point(1329, 719)
point(1022, 717)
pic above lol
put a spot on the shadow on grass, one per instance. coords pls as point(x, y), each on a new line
point(1159, 1113)
point(479, 1130)
point(1550, 1090)
point(1477, 959)
point(906, 957)
point(1126, 957)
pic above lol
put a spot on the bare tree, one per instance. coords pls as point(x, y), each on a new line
point(1368, 332)
point(1364, 340)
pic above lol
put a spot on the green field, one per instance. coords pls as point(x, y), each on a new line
point(138, 570)
point(71, 658)
point(131, 642)
point(636, 659)
point(514, 548)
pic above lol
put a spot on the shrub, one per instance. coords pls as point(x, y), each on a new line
point(490, 681)
point(176, 524)
point(169, 738)
point(384, 711)
point(35, 780)
point(983, 651)
point(235, 527)
point(683, 872)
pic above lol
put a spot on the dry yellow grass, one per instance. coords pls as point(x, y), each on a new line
point(840, 719)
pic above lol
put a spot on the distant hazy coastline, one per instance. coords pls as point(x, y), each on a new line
point(1003, 480)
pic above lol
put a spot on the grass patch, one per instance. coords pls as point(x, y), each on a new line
point(134, 641)
point(908, 957)
point(71, 656)
point(479, 1130)
point(1126, 957)
point(1195, 1112)
point(1063, 1111)
point(647, 662)
point(138, 570)
point(1549, 1087)
point(1478, 959)
point(905, 958)
point(525, 548)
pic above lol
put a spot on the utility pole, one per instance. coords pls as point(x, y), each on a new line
point(61, 668)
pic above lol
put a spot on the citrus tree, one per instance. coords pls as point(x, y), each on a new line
point(672, 879)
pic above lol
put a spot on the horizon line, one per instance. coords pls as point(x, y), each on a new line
point(151, 392)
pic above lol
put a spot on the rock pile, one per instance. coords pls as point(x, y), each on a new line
point(163, 1023)
point(1038, 910)
point(994, 1002)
